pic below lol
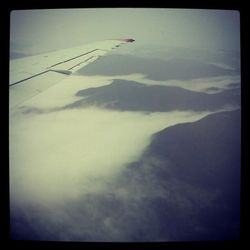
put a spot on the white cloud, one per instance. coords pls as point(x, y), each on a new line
point(60, 155)
point(199, 84)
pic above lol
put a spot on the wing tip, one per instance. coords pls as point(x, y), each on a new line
point(127, 40)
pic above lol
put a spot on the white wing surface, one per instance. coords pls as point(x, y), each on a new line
point(32, 75)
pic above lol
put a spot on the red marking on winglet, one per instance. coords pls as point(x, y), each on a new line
point(127, 40)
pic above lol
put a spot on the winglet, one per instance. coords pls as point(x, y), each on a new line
point(127, 40)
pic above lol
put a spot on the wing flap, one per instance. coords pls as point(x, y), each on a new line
point(25, 90)
point(76, 63)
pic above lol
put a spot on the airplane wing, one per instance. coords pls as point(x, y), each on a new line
point(32, 75)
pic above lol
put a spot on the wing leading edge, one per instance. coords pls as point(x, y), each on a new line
point(32, 75)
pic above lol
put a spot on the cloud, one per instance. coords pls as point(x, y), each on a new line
point(132, 207)
point(58, 155)
point(200, 84)
point(75, 176)
point(68, 171)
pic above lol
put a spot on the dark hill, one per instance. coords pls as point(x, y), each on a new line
point(129, 95)
point(196, 169)
point(156, 69)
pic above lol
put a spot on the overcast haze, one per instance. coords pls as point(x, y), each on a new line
point(141, 145)
point(34, 31)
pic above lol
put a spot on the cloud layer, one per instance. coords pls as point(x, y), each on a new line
point(64, 154)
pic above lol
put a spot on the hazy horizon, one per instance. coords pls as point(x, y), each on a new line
point(35, 31)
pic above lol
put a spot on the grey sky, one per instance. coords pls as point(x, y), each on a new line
point(35, 31)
